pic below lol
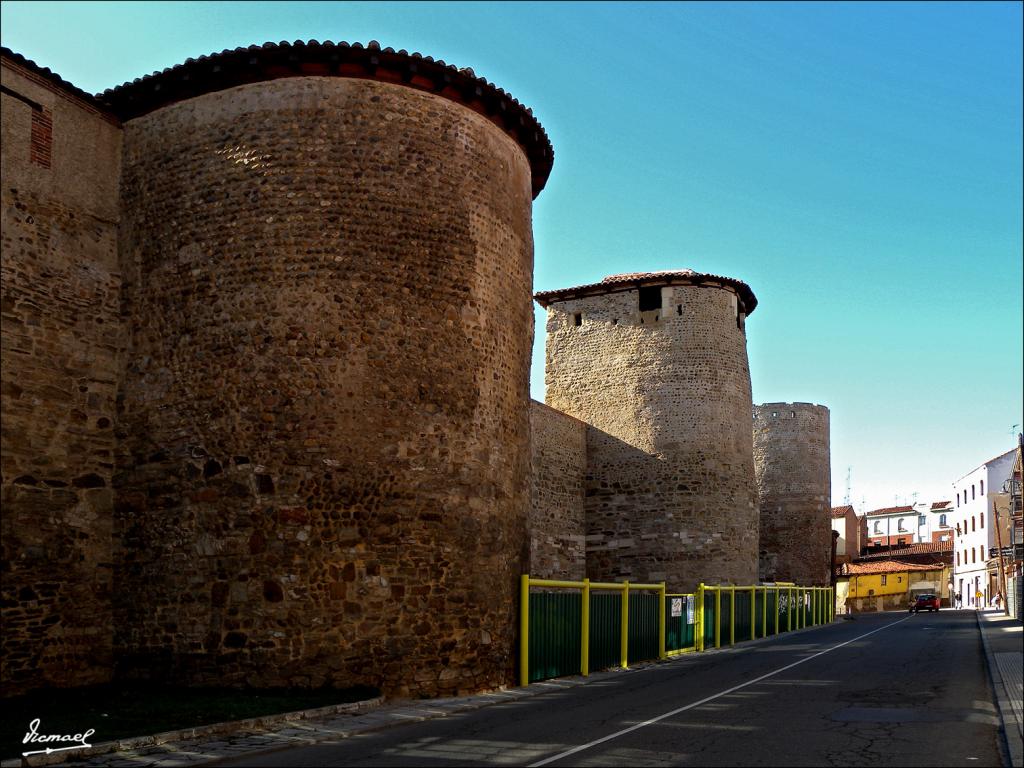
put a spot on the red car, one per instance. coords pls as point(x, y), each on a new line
point(925, 602)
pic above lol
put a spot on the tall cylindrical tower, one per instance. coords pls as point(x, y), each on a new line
point(794, 482)
point(656, 363)
point(328, 264)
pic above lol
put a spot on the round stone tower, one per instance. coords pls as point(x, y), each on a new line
point(328, 258)
point(656, 364)
point(794, 482)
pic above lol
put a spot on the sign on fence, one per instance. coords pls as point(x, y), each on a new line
point(677, 607)
point(689, 612)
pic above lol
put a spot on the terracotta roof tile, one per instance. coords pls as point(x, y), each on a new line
point(838, 512)
point(53, 77)
point(632, 280)
point(259, 63)
point(270, 61)
point(941, 504)
point(886, 566)
point(890, 511)
point(925, 548)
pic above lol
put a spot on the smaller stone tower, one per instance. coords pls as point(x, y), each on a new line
point(792, 466)
point(656, 364)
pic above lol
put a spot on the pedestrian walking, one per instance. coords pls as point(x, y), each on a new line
point(977, 599)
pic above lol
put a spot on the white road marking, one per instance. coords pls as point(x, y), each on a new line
point(718, 695)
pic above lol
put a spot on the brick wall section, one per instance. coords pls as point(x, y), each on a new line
point(558, 468)
point(324, 478)
point(793, 469)
point(41, 149)
point(670, 489)
point(62, 347)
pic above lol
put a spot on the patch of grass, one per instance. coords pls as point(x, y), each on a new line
point(124, 710)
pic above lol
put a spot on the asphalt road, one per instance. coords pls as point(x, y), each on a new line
point(885, 689)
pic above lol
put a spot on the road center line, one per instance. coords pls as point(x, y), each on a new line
point(718, 695)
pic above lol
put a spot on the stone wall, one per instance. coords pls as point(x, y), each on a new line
point(62, 345)
point(670, 489)
point(324, 478)
point(557, 523)
point(793, 469)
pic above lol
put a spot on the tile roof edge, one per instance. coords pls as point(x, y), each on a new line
point(261, 63)
point(650, 279)
point(52, 77)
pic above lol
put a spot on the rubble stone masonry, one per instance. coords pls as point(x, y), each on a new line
point(793, 469)
point(557, 523)
point(324, 476)
point(670, 489)
point(62, 342)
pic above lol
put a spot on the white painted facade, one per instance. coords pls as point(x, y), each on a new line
point(935, 523)
point(895, 526)
point(975, 533)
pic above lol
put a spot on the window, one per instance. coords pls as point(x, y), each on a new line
point(878, 526)
point(981, 491)
point(921, 519)
point(972, 522)
point(974, 559)
point(958, 498)
point(884, 579)
point(650, 298)
point(972, 491)
point(899, 526)
point(958, 558)
point(942, 520)
point(578, 319)
point(981, 520)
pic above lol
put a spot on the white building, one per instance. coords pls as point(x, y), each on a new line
point(893, 526)
point(935, 521)
point(975, 533)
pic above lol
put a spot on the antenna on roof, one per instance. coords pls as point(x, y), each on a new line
point(849, 475)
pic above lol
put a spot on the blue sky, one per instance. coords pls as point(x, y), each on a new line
point(859, 165)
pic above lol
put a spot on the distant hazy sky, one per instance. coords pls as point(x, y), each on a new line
point(859, 165)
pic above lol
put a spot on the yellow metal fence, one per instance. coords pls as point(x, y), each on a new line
point(713, 616)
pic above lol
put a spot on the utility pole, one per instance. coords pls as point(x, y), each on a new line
point(1002, 568)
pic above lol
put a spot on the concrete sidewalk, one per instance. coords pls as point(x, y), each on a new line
point(1003, 637)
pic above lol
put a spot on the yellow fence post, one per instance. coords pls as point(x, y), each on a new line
point(753, 613)
point(624, 628)
point(764, 612)
point(661, 622)
point(698, 619)
point(777, 609)
point(789, 610)
point(585, 630)
point(732, 615)
point(524, 629)
point(718, 616)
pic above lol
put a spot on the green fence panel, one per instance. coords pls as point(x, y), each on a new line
point(605, 630)
point(710, 617)
point(725, 618)
point(679, 633)
point(783, 607)
point(643, 626)
point(759, 616)
point(554, 634)
point(742, 626)
point(772, 612)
